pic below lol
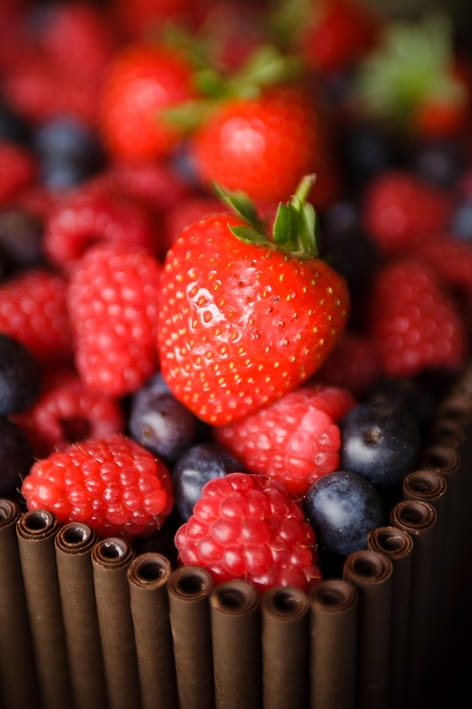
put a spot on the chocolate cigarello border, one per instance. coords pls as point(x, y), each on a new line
point(36, 530)
point(398, 545)
point(237, 645)
point(285, 647)
point(16, 650)
point(148, 574)
point(110, 560)
point(333, 644)
point(371, 572)
point(73, 544)
point(446, 431)
point(457, 407)
point(419, 518)
point(189, 589)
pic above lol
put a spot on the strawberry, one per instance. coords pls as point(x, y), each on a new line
point(400, 210)
point(142, 80)
point(264, 145)
point(246, 526)
point(113, 303)
point(414, 321)
point(244, 317)
point(295, 440)
point(112, 484)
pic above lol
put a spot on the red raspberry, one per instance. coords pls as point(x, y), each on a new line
point(451, 259)
point(401, 210)
point(33, 310)
point(113, 304)
point(17, 170)
point(415, 323)
point(353, 364)
point(246, 526)
point(295, 440)
point(98, 211)
point(67, 411)
point(112, 484)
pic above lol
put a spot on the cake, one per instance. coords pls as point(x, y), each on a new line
point(235, 356)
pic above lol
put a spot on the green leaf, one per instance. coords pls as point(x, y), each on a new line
point(250, 235)
point(286, 228)
point(240, 204)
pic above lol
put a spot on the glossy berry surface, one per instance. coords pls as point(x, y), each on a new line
point(19, 376)
point(195, 467)
point(159, 422)
point(381, 442)
point(246, 526)
point(112, 484)
point(343, 507)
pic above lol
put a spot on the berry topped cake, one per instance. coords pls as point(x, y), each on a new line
point(235, 354)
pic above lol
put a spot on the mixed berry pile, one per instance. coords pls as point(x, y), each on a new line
point(235, 270)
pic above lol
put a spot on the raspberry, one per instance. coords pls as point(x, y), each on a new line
point(96, 212)
point(246, 526)
point(352, 364)
point(33, 311)
point(66, 412)
point(112, 484)
point(295, 440)
point(113, 304)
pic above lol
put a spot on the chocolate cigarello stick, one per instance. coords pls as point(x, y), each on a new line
point(36, 530)
point(398, 546)
point(148, 574)
point(371, 572)
point(110, 560)
point(237, 646)
point(189, 589)
point(419, 518)
point(73, 545)
point(333, 645)
point(16, 653)
point(285, 648)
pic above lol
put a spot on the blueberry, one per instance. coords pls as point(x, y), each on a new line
point(12, 126)
point(408, 393)
point(195, 467)
point(380, 442)
point(439, 161)
point(161, 423)
point(343, 507)
point(19, 376)
point(461, 221)
point(21, 238)
point(16, 458)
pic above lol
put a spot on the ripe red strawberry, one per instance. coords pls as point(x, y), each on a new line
point(91, 213)
point(246, 526)
point(112, 484)
point(294, 440)
point(33, 310)
point(415, 323)
point(245, 318)
point(17, 170)
point(113, 305)
point(401, 210)
point(67, 411)
point(263, 146)
point(141, 81)
point(337, 34)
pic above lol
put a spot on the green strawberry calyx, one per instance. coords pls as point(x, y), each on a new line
point(294, 227)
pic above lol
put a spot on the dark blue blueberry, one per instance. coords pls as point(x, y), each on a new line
point(195, 467)
point(410, 394)
point(439, 161)
point(16, 458)
point(366, 151)
point(343, 507)
point(21, 239)
point(12, 126)
point(19, 376)
point(379, 441)
point(161, 423)
point(461, 222)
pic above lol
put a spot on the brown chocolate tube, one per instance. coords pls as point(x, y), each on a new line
point(333, 645)
point(189, 589)
point(18, 682)
point(148, 574)
point(73, 545)
point(237, 646)
point(285, 648)
point(110, 560)
point(398, 546)
point(36, 530)
point(419, 519)
point(371, 572)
